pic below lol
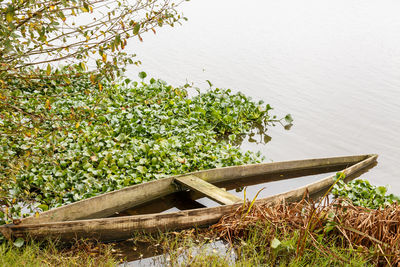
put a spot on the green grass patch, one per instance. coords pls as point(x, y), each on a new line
point(263, 245)
point(49, 254)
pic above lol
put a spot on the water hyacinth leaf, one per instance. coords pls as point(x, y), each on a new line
point(382, 190)
point(43, 207)
point(362, 193)
point(141, 169)
point(142, 75)
point(289, 118)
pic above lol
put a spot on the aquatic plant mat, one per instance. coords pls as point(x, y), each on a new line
point(323, 226)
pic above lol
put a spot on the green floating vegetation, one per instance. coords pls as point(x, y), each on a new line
point(97, 139)
point(362, 193)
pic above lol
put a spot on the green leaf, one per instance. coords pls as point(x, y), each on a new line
point(66, 79)
point(48, 70)
point(329, 227)
point(142, 75)
point(136, 28)
point(141, 169)
point(288, 118)
point(82, 65)
point(121, 162)
point(9, 16)
point(275, 243)
point(43, 207)
point(382, 190)
point(19, 242)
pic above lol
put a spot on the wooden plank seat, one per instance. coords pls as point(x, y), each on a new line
point(215, 193)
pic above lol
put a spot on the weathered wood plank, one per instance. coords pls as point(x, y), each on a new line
point(124, 227)
point(207, 189)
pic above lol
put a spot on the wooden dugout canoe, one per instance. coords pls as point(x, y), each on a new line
point(90, 218)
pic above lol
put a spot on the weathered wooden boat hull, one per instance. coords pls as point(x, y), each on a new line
point(118, 228)
point(108, 204)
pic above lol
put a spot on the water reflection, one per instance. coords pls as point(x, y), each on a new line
point(334, 65)
point(258, 133)
point(163, 258)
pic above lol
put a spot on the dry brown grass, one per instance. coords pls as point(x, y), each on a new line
point(376, 232)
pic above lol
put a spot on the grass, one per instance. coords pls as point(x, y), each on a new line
point(198, 249)
point(204, 247)
point(50, 254)
point(256, 250)
point(181, 250)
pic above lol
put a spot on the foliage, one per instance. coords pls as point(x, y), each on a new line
point(128, 133)
point(38, 32)
point(362, 193)
point(89, 36)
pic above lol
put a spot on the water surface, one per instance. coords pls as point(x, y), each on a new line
point(334, 65)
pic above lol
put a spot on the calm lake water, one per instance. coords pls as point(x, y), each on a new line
point(334, 65)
